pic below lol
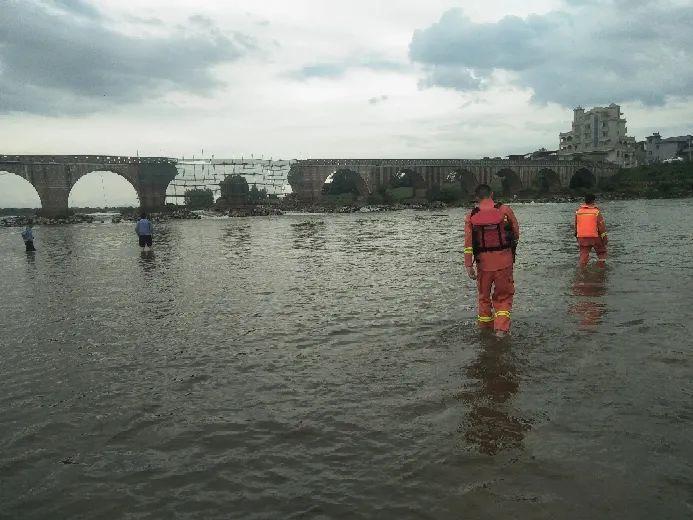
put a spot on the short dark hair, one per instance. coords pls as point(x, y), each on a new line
point(143, 215)
point(590, 198)
point(483, 191)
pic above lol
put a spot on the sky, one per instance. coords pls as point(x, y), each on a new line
point(296, 79)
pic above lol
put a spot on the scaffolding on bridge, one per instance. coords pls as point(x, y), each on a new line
point(208, 173)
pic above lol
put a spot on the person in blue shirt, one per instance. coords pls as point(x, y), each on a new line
point(144, 229)
point(28, 237)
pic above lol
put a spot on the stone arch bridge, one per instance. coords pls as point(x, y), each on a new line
point(53, 176)
point(508, 176)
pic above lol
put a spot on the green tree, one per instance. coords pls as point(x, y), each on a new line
point(256, 196)
point(234, 191)
point(199, 198)
point(234, 186)
point(343, 182)
point(447, 193)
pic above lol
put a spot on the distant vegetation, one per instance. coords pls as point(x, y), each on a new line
point(344, 182)
point(653, 181)
point(235, 191)
point(234, 186)
point(199, 198)
point(256, 196)
point(18, 211)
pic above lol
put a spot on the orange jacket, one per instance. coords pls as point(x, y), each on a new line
point(491, 260)
point(589, 222)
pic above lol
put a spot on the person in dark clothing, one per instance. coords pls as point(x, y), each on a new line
point(144, 229)
point(28, 237)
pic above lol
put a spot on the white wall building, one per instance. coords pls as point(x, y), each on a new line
point(600, 134)
point(659, 150)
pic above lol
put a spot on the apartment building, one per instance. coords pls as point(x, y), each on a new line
point(599, 134)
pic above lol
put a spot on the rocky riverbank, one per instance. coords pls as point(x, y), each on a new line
point(292, 205)
point(254, 211)
point(81, 218)
point(23, 220)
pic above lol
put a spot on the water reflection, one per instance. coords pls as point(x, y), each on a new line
point(158, 258)
point(236, 240)
point(158, 281)
point(490, 423)
point(147, 261)
point(589, 307)
point(309, 235)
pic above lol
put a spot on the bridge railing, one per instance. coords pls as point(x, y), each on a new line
point(447, 162)
point(85, 159)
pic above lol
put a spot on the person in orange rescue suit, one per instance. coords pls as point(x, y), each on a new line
point(491, 233)
point(590, 231)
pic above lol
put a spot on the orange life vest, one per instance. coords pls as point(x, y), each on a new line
point(586, 222)
point(490, 230)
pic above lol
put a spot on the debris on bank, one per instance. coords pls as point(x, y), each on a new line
point(177, 214)
point(23, 220)
point(254, 211)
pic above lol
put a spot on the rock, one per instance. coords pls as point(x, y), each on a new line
point(254, 211)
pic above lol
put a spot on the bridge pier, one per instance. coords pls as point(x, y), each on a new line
point(153, 181)
point(54, 201)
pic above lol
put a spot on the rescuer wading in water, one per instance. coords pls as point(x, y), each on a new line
point(590, 231)
point(491, 233)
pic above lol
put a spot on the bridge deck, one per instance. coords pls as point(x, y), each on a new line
point(436, 162)
point(84, 159)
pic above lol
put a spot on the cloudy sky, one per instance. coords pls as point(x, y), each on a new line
point(316, 78)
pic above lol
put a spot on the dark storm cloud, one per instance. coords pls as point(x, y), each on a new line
point(590, 52)
point(62, 57)
point(337, 69)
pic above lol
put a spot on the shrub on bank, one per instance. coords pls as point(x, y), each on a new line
point(402, 193)
point(653, 181)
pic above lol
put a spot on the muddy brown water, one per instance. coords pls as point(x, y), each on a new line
point(328, 366)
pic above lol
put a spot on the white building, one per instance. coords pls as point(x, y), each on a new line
point(600, 134)
point(660, 150)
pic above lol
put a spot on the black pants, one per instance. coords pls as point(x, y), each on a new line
point(29, 245)
point(146, 240)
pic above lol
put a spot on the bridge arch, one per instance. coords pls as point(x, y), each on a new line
point(547, 181)
point(345, 181)
point(103, 188)
point(510, 182)
point(583, 179)
point(407, 178)
point(463, 178)
point(18, 192)
point(407, 183)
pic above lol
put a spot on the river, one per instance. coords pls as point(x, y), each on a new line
point(328, 366)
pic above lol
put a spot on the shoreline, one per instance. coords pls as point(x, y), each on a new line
point(293, 207)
